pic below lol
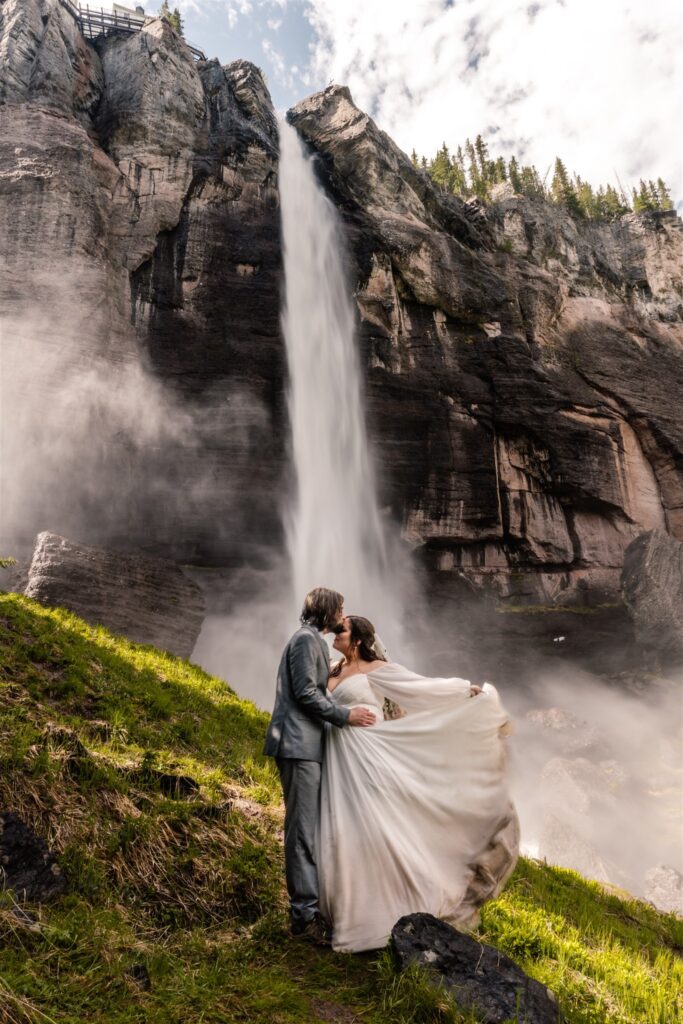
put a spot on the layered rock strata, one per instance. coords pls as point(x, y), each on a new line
point(652, 582)
point(139, 293)
point(523, 370)
point(144, 599)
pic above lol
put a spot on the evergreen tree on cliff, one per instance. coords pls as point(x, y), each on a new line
point(562, 190)
point(173, 17)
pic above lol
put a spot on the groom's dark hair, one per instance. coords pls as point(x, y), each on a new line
point(321, 608)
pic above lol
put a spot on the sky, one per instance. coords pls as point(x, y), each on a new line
point(597, 82)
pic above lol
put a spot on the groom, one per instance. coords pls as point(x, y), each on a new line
point(296, 739)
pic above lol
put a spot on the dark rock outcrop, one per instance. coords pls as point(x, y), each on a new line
point(479, 977)
point(27, 867)
point(145, 599)
point(652, 582)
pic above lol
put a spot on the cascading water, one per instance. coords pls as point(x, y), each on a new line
point(334, 530)
point(335, 535)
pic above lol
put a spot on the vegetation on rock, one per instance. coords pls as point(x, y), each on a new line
point(471, 173)
point(172, 16)
point(175, 908)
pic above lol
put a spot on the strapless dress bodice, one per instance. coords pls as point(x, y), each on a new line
point(356, 690)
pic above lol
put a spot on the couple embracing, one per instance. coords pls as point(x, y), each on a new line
point(384, 817)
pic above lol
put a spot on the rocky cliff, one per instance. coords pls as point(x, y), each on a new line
point(140, 289)
point(523, 369)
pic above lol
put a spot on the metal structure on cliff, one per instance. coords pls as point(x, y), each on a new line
point(98, 22)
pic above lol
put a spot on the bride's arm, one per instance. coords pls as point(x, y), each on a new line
point(415, 692)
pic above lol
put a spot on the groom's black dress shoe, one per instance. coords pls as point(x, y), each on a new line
point(317, 931)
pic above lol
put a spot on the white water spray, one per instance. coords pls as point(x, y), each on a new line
point(335, 534)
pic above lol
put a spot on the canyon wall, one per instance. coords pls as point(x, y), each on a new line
point(523, 369)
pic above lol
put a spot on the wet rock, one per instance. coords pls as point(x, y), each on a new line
point(145, 599)
point(652, 582)
point(27, 867)
point(479, 977)
point(664, 888)
point(566, 733)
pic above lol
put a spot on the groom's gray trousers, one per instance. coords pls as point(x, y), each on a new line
point(301, 790)
point(296, 739)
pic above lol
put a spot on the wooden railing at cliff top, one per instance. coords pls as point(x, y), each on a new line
point(94, 23)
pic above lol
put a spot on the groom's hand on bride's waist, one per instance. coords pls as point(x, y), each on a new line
point(361, 716)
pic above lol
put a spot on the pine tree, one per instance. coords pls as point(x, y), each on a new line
point(643, 201)
point(458, 178)
point(173, 17)
point(477, 181)
point(499, 169)
point(532, 186)
point(562, 190)
point(586, 199)
point(414, 159)
point(482, 152)
point(514, 175)
point(177, 21)
point(440, 167)
point(653, 195)
point(665, 201)
point(614, 204)
point(470, 171)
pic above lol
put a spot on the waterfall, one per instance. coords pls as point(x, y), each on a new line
point(335, 533)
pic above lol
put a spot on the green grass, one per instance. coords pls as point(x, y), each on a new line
point(175, 912)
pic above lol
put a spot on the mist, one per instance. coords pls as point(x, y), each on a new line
point(95, 447)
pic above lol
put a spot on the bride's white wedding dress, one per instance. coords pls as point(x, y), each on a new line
point(415, 812)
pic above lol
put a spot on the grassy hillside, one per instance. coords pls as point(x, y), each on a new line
point(175, 909)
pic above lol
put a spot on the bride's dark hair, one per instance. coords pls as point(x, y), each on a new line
point(362, 634)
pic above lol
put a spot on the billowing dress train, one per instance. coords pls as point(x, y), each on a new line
point(415, 812)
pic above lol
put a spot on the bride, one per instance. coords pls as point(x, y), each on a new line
point(415, 813)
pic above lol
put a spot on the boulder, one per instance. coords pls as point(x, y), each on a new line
point(27, 867)
point(664, 888)
point(652, 582)
point(144, 599)
point(479, 977)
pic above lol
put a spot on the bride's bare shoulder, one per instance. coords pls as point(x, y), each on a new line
point(372, 665)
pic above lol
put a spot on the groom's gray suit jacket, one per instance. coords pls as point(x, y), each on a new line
point(297, 726)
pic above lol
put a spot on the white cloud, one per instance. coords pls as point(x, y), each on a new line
point(274, 24)
point(598, 82)
point(277, 62)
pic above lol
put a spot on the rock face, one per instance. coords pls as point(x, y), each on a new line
point(652, 581)
point(479, 977)
point(665, 889)
point(27, 867)
point(139, 293)
point(142, 598)
point(522, 369)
